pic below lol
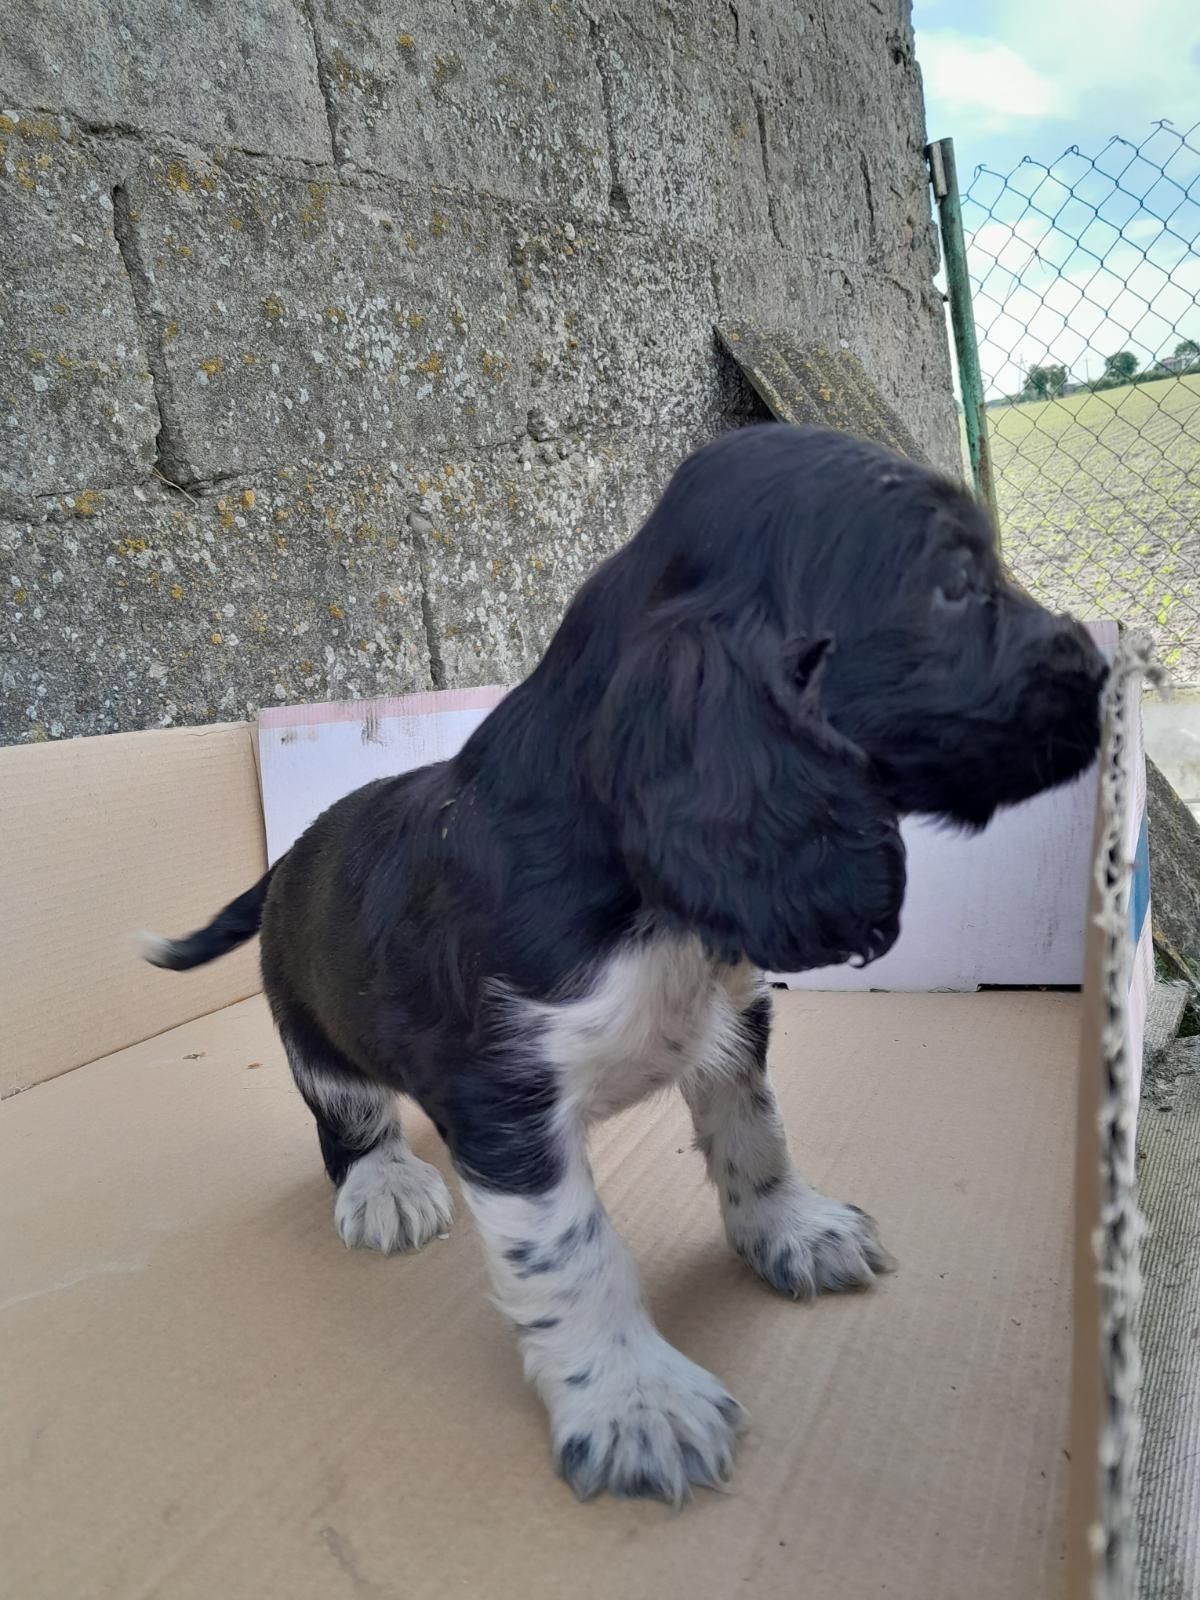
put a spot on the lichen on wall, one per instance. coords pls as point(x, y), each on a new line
point(341, 340)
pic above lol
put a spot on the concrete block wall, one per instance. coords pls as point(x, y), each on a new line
point(340, 339)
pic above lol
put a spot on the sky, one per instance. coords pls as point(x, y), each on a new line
point(1116, 265)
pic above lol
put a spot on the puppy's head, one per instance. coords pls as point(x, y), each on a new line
point(809, 637)
point(963, 692)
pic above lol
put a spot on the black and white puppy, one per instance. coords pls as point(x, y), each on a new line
point(701, 780)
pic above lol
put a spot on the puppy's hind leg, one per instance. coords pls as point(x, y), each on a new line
point(388, 1199)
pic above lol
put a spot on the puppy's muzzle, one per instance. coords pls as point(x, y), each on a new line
point(1067, 651)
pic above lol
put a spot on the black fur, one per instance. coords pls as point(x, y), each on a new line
point(239, 921)
point(756, 1020)
point(808, 637)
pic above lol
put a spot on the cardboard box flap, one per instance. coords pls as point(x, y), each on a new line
point(215, 1398)
point(1106, 1362)
point(100, 838)
point(999, 908)
point(310, 756)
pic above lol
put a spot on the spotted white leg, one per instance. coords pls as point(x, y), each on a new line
point(798, 1240)
point(628, 1413)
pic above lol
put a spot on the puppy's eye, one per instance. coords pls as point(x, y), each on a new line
point(954, 594)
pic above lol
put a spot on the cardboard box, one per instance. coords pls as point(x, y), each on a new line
point(206, 1395)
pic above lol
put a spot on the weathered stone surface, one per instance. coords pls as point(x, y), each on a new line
point(76, 402)
point(619, 330)
point(758, 281)
point(880, 106)
point(898, 332)
point(684, 131)
point(826, 215)
point(837, 93)
point(220, 72)
point(311, 583)
point(145, 608)
point(486, 329)
point(1174, 838)
point(494, 95)
point(299, 319)
point(509, 539)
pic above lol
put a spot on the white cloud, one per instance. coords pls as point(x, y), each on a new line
point(984, 79)
point(1111, 50)
point(1083, 60)
point(1012, 247)
point(1080, 317)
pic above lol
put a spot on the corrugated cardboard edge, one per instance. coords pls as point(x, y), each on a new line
point(100, 837)
point(1106, 1363)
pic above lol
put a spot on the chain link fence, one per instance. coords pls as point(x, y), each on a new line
point(1085, 277)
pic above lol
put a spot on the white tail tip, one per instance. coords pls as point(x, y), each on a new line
point(157, 951)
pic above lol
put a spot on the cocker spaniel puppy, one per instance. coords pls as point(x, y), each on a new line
point(701, 780)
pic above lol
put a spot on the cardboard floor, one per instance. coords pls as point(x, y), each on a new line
point(206, 1395)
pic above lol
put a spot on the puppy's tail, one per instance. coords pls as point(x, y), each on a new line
point(240, 920)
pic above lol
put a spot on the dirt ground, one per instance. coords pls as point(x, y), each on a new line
point(1099, 498)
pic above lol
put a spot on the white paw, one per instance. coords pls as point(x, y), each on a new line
point(391, 1200)
point(640, 1419)
point(799, 1241)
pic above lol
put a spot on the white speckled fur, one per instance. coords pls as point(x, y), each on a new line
point(629, 1413)
point(798, 1240)
point(362, 1111)
point(659, 1011)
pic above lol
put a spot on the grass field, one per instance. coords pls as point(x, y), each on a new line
point(1099, 498)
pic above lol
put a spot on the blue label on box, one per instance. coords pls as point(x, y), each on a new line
point(1139, 889)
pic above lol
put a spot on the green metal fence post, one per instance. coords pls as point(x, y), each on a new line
point(944, 177)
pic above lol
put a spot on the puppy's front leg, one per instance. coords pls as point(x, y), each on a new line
point(628, 1413)
point(800, 1241)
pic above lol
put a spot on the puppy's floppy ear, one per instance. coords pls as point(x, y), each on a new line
point(803, 659)
point(741, 814)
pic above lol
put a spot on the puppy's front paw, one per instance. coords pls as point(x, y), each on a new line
point(642, 1420)
point(392, 1200)
point(803, 1243)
